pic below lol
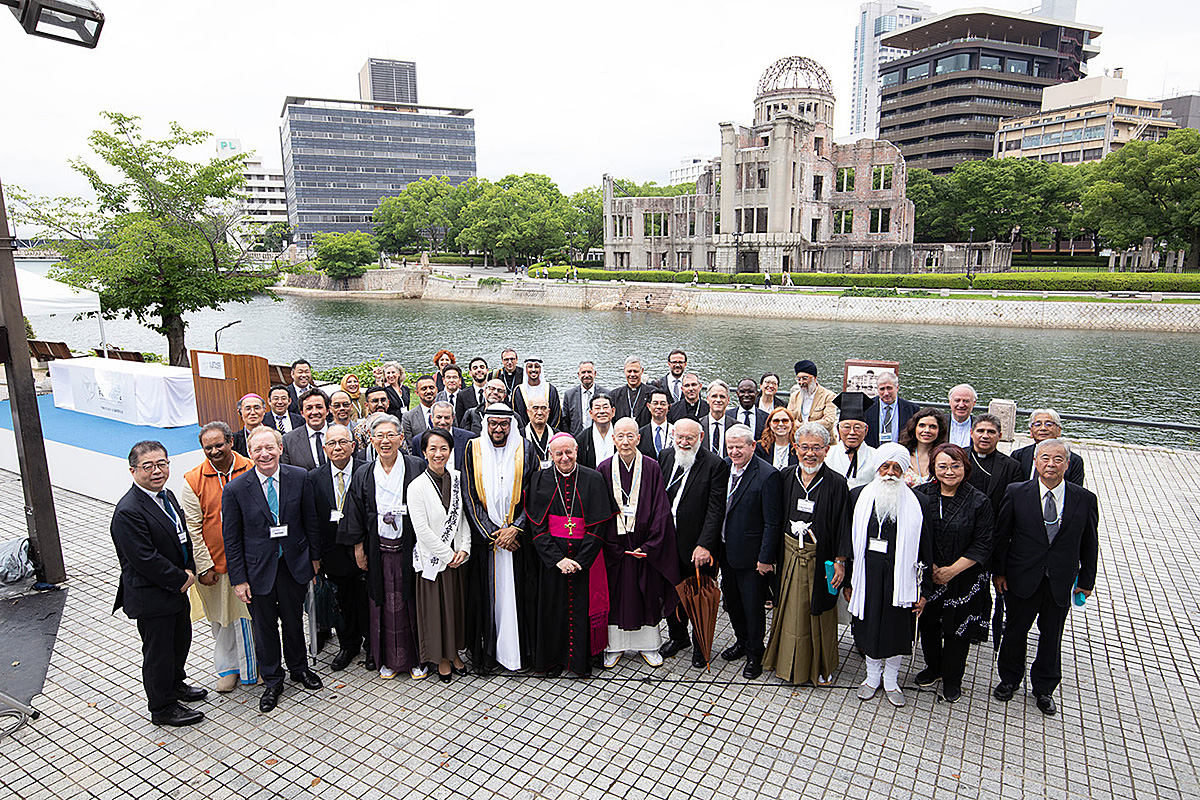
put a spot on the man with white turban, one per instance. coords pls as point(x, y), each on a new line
point(884, 561)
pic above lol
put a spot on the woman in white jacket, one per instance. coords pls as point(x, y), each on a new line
point(435, 506)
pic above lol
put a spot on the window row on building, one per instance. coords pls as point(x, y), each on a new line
point(404, 121)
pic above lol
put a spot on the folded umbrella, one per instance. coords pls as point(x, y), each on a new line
point(701, 600)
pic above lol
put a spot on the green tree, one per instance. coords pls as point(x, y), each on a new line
point(345, 255)
point(1148, 189)
point(157, 241)
point(520, 216)
point(392, 227)
point(928, 192)
point(585, 222)
point(276, 237)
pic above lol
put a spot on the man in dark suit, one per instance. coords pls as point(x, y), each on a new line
point(1046, 543)
point(452, 381)
point(672, 382)
point(577, 401)
point(656, 436)
point(417, 419)
point(632, 399)
point(157, 569)
point(471, 396)
point(696, 480)
point(753, 515)
point(691, 404)
point(301, 382)
point(272, 551)
point(443, 417)
point(891, 412)
point(493, 392)
point(991, 470)
point(509, 373)
point(747, 411)
point(280, 417)
point(1046, 424)
point(329, 484)
point(251, 408)
point(595, 442)
point(304, 447)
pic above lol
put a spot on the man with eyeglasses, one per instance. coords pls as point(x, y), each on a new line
point(850, 456)
point(329, 484)
point(672, 382)
point(233, 636)
point(157, 569)
point(1045, 424)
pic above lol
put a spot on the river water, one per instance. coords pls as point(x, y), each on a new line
point(1104, 373)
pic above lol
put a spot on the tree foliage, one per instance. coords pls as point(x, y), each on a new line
point(157, 242)
point(345, 255)
point(1148, 189)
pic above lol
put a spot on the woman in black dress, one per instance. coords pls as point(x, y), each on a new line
point(959, 608)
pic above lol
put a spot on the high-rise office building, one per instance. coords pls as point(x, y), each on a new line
point(1184, 110)
point(876, 19)
point(388, 80)
point(341, 157)
point(968, 70)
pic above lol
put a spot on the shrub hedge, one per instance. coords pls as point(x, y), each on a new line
point(1089, 281)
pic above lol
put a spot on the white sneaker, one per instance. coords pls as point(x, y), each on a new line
point(653, 658)
point(419, 672)
point(611, 658)
point(387, 672)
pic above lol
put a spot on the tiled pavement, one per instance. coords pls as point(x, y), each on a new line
point(1127, 725)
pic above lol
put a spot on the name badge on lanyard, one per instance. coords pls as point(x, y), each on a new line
point(805, 506)
point(877, 545)
point(545, 462)
point(629, 512)
point(335, 515)
point(182, 537)
point(278, 531)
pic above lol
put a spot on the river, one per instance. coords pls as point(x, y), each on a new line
point(1104, 373)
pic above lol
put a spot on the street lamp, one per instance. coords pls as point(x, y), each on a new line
point(77, 23)
point(970, 258)
point(737, 251)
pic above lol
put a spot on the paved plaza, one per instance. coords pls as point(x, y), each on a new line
point(1127, 722)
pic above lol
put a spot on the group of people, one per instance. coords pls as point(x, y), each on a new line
point(503, 526)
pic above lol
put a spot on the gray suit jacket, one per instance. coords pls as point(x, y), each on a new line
point(296, 450)
point(574, 419)
point(412, 426)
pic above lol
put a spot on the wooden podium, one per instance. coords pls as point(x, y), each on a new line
point(221, 379)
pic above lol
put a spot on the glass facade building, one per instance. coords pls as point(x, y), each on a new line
point(341, 157)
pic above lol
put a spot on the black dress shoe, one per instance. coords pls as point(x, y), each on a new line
point(1045, 704)
point(1004, 692)
point(190, 694)
point(369, 665)
point(753, 668)
point(733, 652)
point(343, 659)
point(926, 677)
point(446, 678)
point(698, 659)
point(308, 679)
point(459, 671)
point(951, 694)
point(554, 672)
point(270, 698)
point(670, 648)
point(177, 716)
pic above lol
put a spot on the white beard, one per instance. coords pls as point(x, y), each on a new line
point(805, 393)
point(685, 459)
point(810, 470)
point(887, 498)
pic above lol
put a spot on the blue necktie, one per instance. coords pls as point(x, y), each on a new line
point(658, 440)
point(273, 504)
point(171, 513)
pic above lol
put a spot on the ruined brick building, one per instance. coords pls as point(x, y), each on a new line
point(782, 196)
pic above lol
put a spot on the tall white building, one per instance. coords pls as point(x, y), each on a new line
point(688, 171)
point(266, 196)
point(875, 20)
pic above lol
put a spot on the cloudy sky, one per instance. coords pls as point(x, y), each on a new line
point(572, 90)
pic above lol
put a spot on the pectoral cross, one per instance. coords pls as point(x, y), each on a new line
point(570, 526)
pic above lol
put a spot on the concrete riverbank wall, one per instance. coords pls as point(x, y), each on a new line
point(685, 299)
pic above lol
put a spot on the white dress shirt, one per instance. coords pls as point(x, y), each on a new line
point(318, 451)
point(667, 429)
point(960, 432)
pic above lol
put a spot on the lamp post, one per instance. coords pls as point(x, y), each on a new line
point(970, 258)
point(77, 23)
point(737, 251)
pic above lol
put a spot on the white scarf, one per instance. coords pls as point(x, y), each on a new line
point(499, 473)
point(625, 523)
point(605, 446)
point(909, 520)
point(389, 496)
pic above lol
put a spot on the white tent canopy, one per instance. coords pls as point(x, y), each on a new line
point(41, 296)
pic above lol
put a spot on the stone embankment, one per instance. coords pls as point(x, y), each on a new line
point(686, 299)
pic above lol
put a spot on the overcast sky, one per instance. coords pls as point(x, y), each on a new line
point(572, 90)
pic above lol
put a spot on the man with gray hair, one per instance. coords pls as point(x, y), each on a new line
point(715, 422)
point(1045, 424)
point(891, 412)
point(1047, 553)
point(962, 402)
point(632, 399)
point(749, 544)
point(200, 496)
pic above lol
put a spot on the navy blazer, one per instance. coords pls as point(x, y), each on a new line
point(753, 515)
point(734, 417)
point(904, 411)
point(151, 558)
point(335, 559)
point(1024, 554)
point(250, 553)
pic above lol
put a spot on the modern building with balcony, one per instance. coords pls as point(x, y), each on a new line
point(1082, 121)
point(966, 72)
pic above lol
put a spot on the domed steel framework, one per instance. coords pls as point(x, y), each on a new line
point(794, 72)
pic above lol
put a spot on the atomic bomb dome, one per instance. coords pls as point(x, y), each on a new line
point(796, 84)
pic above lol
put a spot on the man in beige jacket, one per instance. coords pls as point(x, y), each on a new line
point(811, 402)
